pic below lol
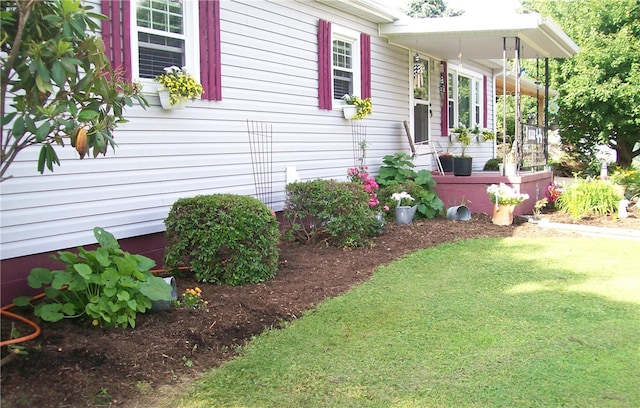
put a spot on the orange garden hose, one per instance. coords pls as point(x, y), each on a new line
point(36, 329)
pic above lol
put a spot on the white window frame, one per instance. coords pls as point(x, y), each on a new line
point(416, 101)
point(191, 37)
point(353, 37)
point(476, 99)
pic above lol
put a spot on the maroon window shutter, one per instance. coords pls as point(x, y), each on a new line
point(210, 60)
point(324, 65)
point(365, 65)
point(444, 115)
point(485, 99)
point(116, 33)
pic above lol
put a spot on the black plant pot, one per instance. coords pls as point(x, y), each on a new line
point(462, 166)
point(447, 163)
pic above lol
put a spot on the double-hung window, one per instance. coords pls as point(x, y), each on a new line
point(167, 35)
point(146, 36)
point(346, 63)
point(465, 94)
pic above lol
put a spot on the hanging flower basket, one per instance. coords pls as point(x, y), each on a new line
point(165, 101)
point(349, 111)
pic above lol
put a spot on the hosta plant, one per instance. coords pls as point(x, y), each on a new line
point(107, 285)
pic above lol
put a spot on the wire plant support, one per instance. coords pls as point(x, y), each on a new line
point(359, 138)
point(261, 145)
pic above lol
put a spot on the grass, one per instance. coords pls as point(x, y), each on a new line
point(480, 323)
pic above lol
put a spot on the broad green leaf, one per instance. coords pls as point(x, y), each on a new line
point(128, 282)
point(68, 257)
point(144, 263)
point(83, 270)
point(18, 127)
point(62, 278)
point(110, 278)
point(86, 115)
point(102, 257)
point(110, 291)
point(43, 131)
point(58, 73)
point(39, 277)
point(69, 309)
point(124, 295)
point(43, 85)
point(8, 118)
point(49, 312)
point(22, 301)
point(156, 289)
point(105, 239)
point(52, 293)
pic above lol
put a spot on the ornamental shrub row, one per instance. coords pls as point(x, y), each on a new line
point(225, 238)
point(328, 210)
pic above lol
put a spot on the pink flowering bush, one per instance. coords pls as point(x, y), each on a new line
point(360, 176)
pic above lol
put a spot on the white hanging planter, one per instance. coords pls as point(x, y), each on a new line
point(164, 101)
point(349, 111)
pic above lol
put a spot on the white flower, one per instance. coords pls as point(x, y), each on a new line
point(399, 197)
point(504, 194)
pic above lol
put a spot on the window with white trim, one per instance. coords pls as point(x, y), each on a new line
point(165, 33)
point(465, 100)
point(421, 98)
point(346, 62)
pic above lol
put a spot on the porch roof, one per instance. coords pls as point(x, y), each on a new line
point(472, 38)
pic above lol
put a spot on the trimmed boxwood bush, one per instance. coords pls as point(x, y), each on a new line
point(334, 211)
point(225, 238)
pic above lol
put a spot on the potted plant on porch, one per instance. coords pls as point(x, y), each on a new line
point(462, 164)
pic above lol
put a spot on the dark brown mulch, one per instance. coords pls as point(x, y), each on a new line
point(70, 365)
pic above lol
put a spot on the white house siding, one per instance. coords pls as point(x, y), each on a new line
point(269, 73)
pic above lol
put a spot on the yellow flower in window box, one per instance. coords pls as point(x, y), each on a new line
point(181, 85)
point(363, 107)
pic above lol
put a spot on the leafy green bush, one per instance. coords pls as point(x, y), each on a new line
point(588, 197)
point(429, 205)
point(337, 212)
point(225, 238)
point(107, 285)
point(492, 164)
point(397, 169)
point(629, 178)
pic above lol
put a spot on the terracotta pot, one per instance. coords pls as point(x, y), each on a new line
point(503, 214)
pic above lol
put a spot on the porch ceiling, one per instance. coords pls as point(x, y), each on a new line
point(471, 38)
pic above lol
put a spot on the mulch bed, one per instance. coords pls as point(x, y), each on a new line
point(71, 365)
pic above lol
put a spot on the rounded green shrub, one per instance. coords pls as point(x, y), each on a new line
point(492, 164)
point(329, 210)
point(225, 238)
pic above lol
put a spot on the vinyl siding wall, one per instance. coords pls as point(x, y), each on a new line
point(269, 74)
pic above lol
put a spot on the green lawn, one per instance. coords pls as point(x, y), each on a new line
point(480, 323)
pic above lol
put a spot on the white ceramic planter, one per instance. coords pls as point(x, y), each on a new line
point(164, 101)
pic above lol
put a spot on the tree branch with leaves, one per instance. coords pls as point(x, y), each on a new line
point(57, 85)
